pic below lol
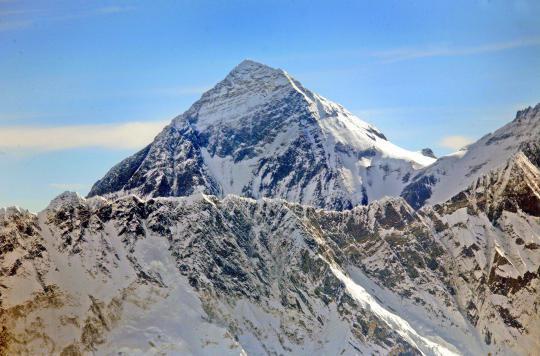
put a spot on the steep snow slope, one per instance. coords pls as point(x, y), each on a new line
point(451, 174)
point(260, 133)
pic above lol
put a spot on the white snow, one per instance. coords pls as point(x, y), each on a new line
point(251, 91)
point(455, 172)
point(398, 324)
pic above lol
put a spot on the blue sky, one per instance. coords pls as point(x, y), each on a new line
point(84, 84)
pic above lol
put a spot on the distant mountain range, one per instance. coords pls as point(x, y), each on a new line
point(267, 219)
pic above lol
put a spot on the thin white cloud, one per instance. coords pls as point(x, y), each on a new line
point(130, 135)
point(402, 54)
point(455, 142)
point(17, 19)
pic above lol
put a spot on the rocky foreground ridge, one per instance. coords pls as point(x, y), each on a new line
point(207, 275)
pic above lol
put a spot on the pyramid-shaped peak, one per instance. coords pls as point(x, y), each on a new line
point(255, 70)
point(247, 86)
point(257, 128)
point(250, 65)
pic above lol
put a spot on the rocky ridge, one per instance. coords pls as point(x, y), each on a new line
point(270, 276)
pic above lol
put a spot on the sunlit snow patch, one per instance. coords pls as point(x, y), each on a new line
point(401, 326)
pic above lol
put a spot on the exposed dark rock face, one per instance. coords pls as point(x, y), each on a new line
point(175, 168)
point(428, 152)
point(419, 191)
point(120, 174)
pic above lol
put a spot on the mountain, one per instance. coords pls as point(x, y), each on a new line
point(491, 231)
point(260, 133)
point(203, 275)
point(169, 254)
point(451, 174)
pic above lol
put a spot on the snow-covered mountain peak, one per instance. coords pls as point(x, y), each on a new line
point(65, 199)
point(12, 210)
point(453, 173)
point(252, 87)
point(243, 91)
point(530, 112)
point(250, 69)
point(171, 255)
point(256, 76)
point(261, 133)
